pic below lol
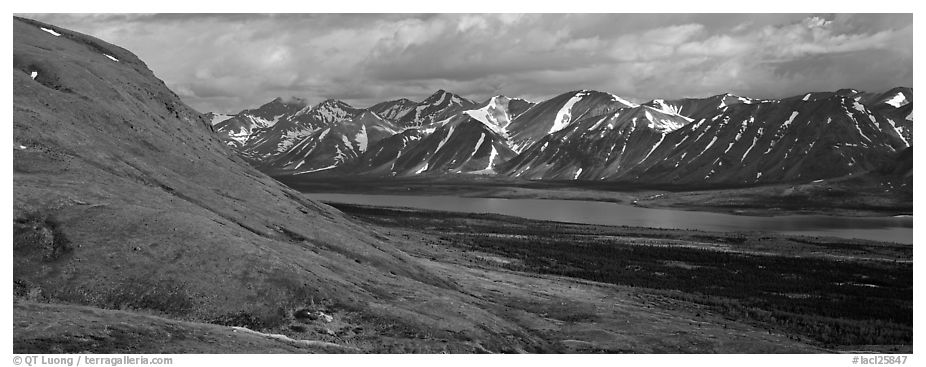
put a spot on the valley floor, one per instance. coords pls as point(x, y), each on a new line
point(627, 289)
point(575, 288)
point(840, 196)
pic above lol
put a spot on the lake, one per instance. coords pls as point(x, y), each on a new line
point(892, 229)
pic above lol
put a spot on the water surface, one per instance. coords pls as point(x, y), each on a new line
point(893, 229)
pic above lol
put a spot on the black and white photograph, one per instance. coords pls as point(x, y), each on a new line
point(371, 182)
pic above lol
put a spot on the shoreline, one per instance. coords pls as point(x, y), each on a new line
point(758, 201)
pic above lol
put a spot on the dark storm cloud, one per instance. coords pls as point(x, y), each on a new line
point(227, 62)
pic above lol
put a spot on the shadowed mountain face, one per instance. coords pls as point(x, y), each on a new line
point(126, 199)
point(747, 143)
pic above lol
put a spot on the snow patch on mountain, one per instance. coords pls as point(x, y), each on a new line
point(617, 98)
point(423, 168)
point(661, 138)
point(316, 170)
point(52, 31)
point(789, 120)
point(713, 140)
point(898, 100)
point(897, 131)
point(361, 139)
point(754, 140)
point(219, 117)
point(659, 123)
point(481, 114)
point(482, 137)
point(445, 138)
point(597, 124)
point(745, 100)
point(664, 106)
point(564, 115)
point(289, 138)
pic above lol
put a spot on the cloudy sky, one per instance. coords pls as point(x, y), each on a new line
point(229, 62)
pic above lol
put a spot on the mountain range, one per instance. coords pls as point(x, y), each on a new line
point(137, 230)
point(583, 135)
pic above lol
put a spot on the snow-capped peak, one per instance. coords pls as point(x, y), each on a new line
point(330, 110)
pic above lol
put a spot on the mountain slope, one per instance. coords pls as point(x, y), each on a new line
point(552, 115)
point(392, 110)
point(334, 145)
point(698, 108)
point(463, 144)
point(591, 135)
point(438, 106)
point(125, 198)
point(239, 127)
point(265, 146)
point(773, 142)
point(735, 140)
point(498, 112)
point(597, 147)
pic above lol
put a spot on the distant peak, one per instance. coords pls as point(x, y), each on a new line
point(439, 94)
point(442, 95)
point(291, 101)
point(331, 102)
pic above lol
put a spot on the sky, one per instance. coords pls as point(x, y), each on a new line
point(229, 62)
